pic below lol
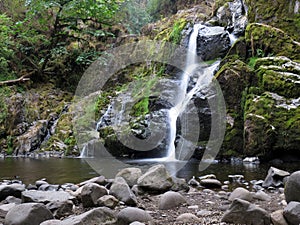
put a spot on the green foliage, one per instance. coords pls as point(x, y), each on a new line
point(175, 35)
point(160, 8)
point(252, 62)
point(141, 108)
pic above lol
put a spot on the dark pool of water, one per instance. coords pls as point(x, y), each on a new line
point(75, 170)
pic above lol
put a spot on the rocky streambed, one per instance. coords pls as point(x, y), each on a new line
point(154, 197)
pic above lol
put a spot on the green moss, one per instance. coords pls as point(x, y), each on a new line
point(141, 108)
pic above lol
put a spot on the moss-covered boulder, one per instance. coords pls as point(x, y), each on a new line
point(270, 40)
point(271, 126)
point(234, 78)
point(280, 13)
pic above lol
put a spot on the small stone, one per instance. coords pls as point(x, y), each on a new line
point(131, 175)
point(130, 214)
point(203, 213)
point(193, 207)
point(210, 183)
point(261, 195)
point(108, 201)
point(187, 218)
point(209, 176)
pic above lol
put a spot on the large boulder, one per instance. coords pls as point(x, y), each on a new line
point(171, 200)
point(156, 179)
point(212, 42)
point(278, 218)
point(130, 214)
point(28, 214)
point(292, 188)
point(122, 191)
point(292, 213)
point(243, 212)
point(90, 193)
point(61, 209)
point(11, 190)
point(46, 196)
point(131, 175)
point(275, 177)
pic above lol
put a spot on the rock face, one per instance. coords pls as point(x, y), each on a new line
point(28, 214)
point(156, 179)
point(130, 214)
point(170, 200)
point(122, 191)
point(292, 188)
point(212, 42)
point(243, 212)
point(275, 177)
point(292, 213)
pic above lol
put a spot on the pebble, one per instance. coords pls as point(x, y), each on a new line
point(193, 207)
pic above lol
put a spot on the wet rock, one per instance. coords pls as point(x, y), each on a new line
point(170, 200)
point(156, 179)
point(254, 160)
point(278, 218)
point(45, 196)
point(39, 183)
point(28, 214)
point(261, 195)
point(61, 209)
point(108, 201)
point(210, 183)
point(212, 42)
point(131, 175)
point(240, 193)
point(122, 191)
point(243, 212)
point(187, 218)
point(130, 214)
point(11, 190)
point(90, 193)
point(292, 187)
point(101, 215)
point(275, 177)
point(292, 213)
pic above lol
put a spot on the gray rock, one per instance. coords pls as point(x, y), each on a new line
point(108, 201)
point(28, 214)
point(156, 179)
point(51, 222)
point(243, 212)
point(7, 207)
point(210, 183)
point(179, 185)
point(193, 182)
point(122, 191)
point(278, 218)
point(261, 195)
point(236, 178)
point(292, 188)
point(101, 215)
point(90, 193)
point(170, 200)
point(204, 213)
point(98, 180)
point(48, 187)
point(275, 177)
point(41, 182)
point(292, 213)
point(131, 175)
point(61, 209)
point(241, 193)
point(212, 42)
point(187, 218)
point(11, 190)
point(130, 214)
point(12, 199)
point(208, 176)
point(45, 196)
point(136, 223)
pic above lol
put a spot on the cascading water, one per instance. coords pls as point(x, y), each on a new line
point(184, 97)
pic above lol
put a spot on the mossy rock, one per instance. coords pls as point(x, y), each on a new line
point(279, 75)
point(280, 13)
point(271, 41)
point(272, 125)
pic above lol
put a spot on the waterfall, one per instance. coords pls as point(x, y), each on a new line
point(84, 152)
point(183, 97)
